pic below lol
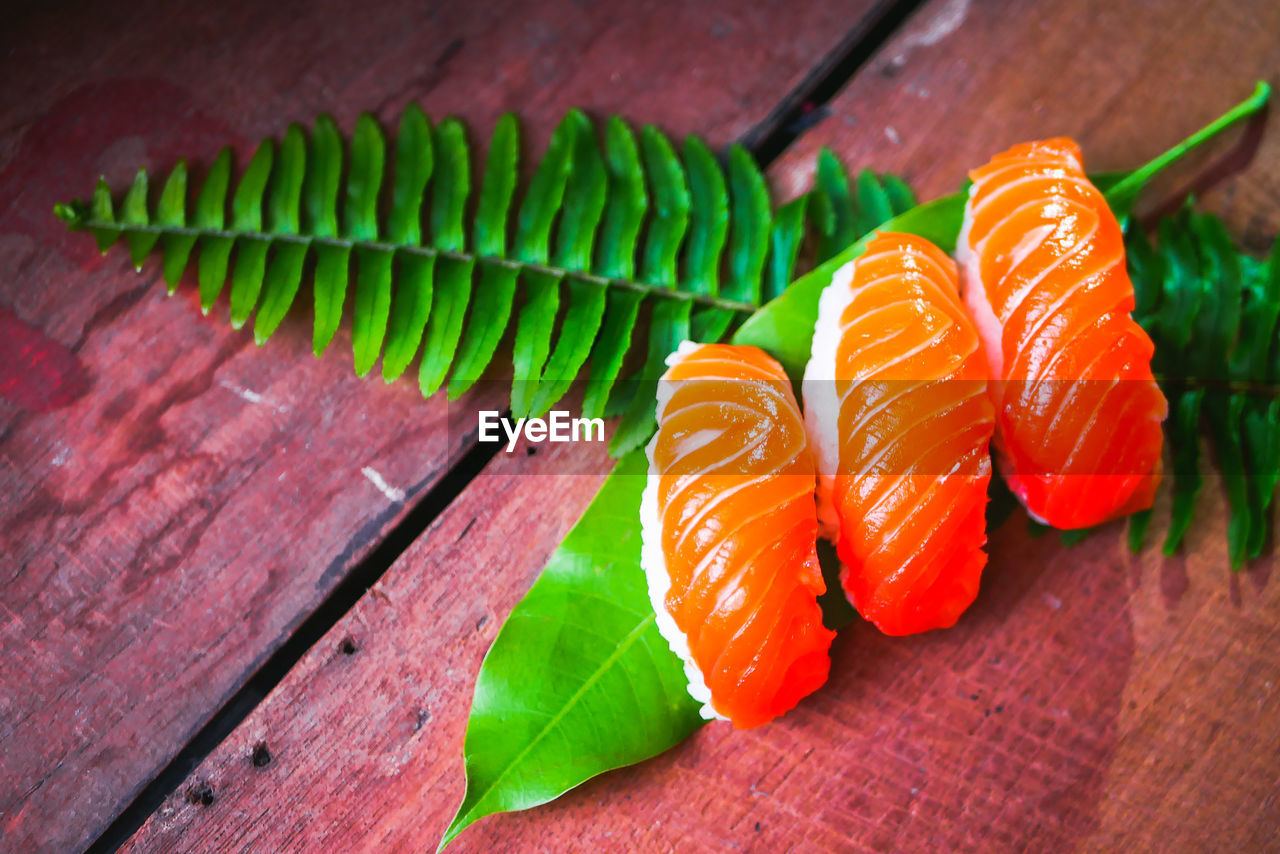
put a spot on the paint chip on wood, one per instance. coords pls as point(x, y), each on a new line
point(391, 492)
point(244, 394)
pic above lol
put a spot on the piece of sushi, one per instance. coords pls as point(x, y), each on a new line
point(896, 403)
point(729, 527)
point(1078, 411)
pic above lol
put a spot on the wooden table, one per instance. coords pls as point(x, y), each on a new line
point(244, 595)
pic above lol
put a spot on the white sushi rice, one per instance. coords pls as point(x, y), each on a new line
point(974, 294)
point(654, 562)
point(821, 403)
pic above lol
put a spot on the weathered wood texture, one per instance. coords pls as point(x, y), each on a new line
point(1126, 79)
point(172, 501)
point(1089, 700)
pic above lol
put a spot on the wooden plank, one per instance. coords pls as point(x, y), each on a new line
point(1089, 699)
point(389, 779)
point(1125, 79)
point(173, 502)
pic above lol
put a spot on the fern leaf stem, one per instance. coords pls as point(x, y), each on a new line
point(1122, 196)
point(655, 291)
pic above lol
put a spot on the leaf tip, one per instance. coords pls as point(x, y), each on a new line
point(450, 834)
point(69, 212)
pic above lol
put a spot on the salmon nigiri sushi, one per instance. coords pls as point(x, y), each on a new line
point(1078, 411)
point(895, 397)
point(729, 527)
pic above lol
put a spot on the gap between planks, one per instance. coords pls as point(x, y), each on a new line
point(798, 111)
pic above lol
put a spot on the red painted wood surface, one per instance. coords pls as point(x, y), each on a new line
point(173, 502)
point(1091, 700)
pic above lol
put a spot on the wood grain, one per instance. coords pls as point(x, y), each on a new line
point(173, 502)
point(1089, 700)
point(364, 747)
point(965, 80)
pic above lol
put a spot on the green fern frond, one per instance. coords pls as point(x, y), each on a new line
point(1212, 311)
point(600, 234)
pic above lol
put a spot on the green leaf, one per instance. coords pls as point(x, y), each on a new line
point(584, 201)
point(1184, 437)
point(246, 204)
point(833, 183)
point(579, 680)
point(901, 199)
point(1251, 359)
point(1076, 536)
point(368, 152)
point(414, 163)
point(1222, 290)
point(284, 204)
point(494, 294)
point(373, 306)
point(251, 252)
point(784, 245)
point(1261, 438)
point(667, 328)
point(210, 216)
point(497, 285)
point(450, 294)
point(610, 349)
point(670, 208)
point(874, 206)
point(284, 274)
point(284, 270)
point(533, 338)
point(1138, 524)
point(498, 188)
point(1146, 271)
point(333, 271)
point(584, 198)
point(1225, 422)
point(708, 219)
point(822, 213)
point(625, 206)
point(373, 266)
point(211, 270)
point(171, 212)
point(453, 185)
point(134, 212)
point(751, 220)
point(211, 204)
point(247, 277)
point(542, 290)
point(410, 311)
point(452, 289)
point(320, 196)
point(710, 324)
point(581, 323)
point(546, 192)
point(100, 211)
